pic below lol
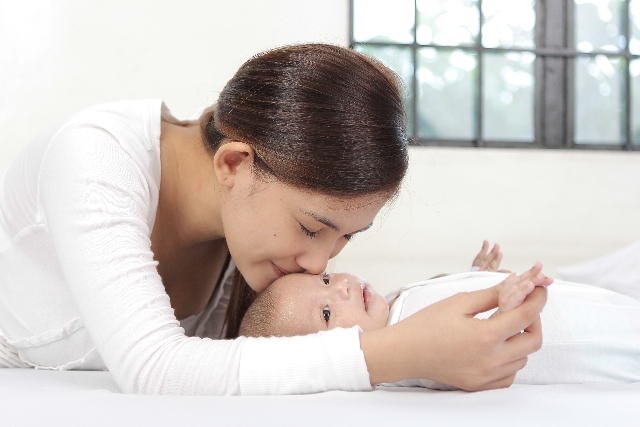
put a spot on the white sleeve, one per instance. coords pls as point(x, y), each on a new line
point(95, 201)
point(329, 360)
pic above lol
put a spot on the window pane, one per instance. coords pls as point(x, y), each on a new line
point(447, 22)
point(508, 96)
point(634, 17)
point(508, 23)
point(599, 25)
point(446, 88)
point(383, 21)
point(599, 100)
point(400, 60)
point(634, 70)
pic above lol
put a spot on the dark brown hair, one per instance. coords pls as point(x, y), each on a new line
point(319, 117)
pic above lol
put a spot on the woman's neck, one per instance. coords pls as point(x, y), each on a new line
point(187, 238)
point(189, 207)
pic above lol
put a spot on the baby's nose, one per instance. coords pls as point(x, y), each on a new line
point(342, 288)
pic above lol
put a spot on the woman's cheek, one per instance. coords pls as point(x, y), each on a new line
point(339, 245)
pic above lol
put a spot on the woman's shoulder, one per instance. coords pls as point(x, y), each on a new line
point(128, 121)
point(107, 132)
point(116, 142)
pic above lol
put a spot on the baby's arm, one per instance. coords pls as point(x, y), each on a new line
point(515, 289)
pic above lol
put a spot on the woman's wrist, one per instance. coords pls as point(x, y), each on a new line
point(380, 355)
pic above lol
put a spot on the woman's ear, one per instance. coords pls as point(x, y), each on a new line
point(232, 160)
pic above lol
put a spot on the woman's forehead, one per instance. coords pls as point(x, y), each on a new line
point(344, 204)
point(331, 202)
point(336, 212)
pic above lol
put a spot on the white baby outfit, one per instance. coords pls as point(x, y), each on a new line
point(589, 334)
point(79, 287)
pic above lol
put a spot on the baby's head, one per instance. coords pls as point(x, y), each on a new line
point(301, 304)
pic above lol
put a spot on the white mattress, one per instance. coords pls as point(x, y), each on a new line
point(72, 398)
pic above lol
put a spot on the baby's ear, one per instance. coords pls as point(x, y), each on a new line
point(232, 161)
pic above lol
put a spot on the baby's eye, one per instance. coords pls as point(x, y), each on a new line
point(326, 313)
point(325, 278)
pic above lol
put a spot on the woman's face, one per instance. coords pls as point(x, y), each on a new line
point(273, 229)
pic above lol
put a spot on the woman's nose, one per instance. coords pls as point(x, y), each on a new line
point(314, 260)
point(313, 263)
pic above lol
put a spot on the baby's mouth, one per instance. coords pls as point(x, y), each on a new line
point(365, 297)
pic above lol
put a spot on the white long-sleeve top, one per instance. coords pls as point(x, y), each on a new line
point(79, 288)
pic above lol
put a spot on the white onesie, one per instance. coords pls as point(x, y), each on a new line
point(589, 334)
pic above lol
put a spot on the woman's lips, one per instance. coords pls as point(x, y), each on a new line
point(279, 271)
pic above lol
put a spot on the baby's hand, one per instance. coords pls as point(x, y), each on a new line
point(488, 260)
point(515, 289)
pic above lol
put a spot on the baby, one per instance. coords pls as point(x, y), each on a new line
point(590, 334)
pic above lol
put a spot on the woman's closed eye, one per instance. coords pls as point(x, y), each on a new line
point(326, 314)
point(313, 234)
point(308, 232)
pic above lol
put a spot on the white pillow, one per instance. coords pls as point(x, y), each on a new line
point(618, 271)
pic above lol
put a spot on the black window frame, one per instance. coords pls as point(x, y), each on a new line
point(554, 80)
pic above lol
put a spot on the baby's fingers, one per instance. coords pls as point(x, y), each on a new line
point(477, 261)
point(536, 276)
point(496, 256)
point(532, 272)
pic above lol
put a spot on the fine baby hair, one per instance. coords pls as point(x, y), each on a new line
point(260, 318)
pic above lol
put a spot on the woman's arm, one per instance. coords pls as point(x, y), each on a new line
point(95, 197)
point(444, 343)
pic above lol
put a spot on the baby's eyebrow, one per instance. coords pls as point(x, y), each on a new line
point(326, 221)
point(314, 319)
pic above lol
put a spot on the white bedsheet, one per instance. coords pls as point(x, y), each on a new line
point(617, 271)
point(73, 398)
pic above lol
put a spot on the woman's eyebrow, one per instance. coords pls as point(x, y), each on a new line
point(321, 219)
point(326, 221)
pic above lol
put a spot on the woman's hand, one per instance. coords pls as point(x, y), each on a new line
point(488, 260)
point(444, 343)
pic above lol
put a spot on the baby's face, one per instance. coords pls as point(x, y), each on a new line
point(312, 303)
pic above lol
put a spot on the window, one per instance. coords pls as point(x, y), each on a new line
point(511, 73)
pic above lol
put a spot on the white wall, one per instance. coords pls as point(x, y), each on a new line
point(58, 56)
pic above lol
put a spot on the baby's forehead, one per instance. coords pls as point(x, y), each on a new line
point(298, 286)
point(295, 293)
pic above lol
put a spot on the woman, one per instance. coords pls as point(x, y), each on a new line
point(119, 225)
